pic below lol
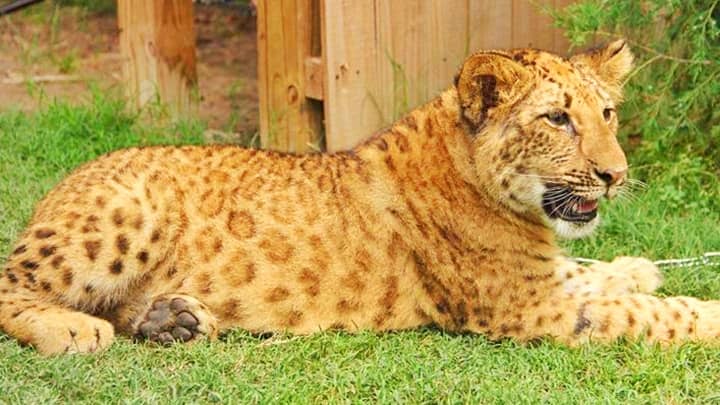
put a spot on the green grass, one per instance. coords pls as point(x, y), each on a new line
point(676, 216)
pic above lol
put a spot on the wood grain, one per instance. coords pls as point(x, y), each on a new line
point(381, 58)
point(288, 34)
point(157, 42)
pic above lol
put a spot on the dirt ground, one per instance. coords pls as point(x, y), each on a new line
point(62, 53)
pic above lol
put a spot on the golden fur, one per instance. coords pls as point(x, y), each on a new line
point(447, 217)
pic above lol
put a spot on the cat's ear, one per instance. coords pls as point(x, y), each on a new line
point(610, 64)
point(489, 83)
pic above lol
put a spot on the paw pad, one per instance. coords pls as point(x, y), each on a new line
point(169, 321)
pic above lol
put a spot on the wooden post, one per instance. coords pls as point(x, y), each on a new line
point(157, 41)
point(288, 33)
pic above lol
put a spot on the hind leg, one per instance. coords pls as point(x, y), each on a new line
point(50, 328)
point(176, 318)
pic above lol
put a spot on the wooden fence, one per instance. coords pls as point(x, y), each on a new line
point(341, 69)
point(157, 41)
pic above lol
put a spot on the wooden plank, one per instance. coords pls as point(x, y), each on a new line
point(450, 42)
point(352, 97)
point(382, 58)
point(423, 43)
point(157, 41)
point(288, 33)
point(530, 27)
point(491, 24)
point(314, 78)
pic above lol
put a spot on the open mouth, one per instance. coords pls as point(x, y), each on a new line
point(562, 203)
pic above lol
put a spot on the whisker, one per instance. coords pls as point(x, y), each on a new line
point(556, 196)
point(565, 205)
point(625, 195)
point(630, 189)
point(636, 183)
point(557, 199)
point(537, 176)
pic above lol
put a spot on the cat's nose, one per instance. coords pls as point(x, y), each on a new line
point(612, 176)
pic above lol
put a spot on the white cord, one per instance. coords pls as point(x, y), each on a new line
point(708, 259)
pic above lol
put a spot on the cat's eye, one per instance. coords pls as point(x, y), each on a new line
point(558, 118)
point(608, 113)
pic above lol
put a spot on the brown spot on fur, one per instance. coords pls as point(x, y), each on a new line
point(217, 246)
point(208, 244)
point(44, 233)
point(605, 326)
point(410, 122)
point(92, 247)
point(57, 261)
point(29, 264)
point(345, 305)
point(67, 277)
point(241, 224)
point(100, 201)
point(142, 256)
point(582, 322)
point(122, 244)
point(276, 247)
point(138, 223)
point(155, 236)
point(442, 305)
point(294, 317)
point(20, 249)
point(11, 276)
point(249, 272)
point(311, 282)
point(117, 217)
point(46, 286)
point(277, 294)
point(382, 144)
point(171, 272)
point(231, 309)
point(336, 326)
point(402, 143)
point(353, 281)
point(568, 100)
point(205, 283)
point(389, 163)
point(116, 267)
point(391, 293)
point(47, 250)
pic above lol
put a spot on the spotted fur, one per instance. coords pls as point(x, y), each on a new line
point(441, 219)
